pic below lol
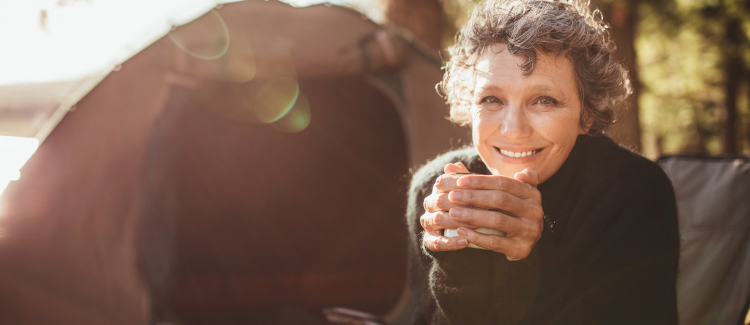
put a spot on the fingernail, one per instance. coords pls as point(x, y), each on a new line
point(462, 231)
point(457, 213)
point(462, 242)
point(455, 196)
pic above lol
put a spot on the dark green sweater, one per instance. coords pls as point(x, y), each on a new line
point(608, 256)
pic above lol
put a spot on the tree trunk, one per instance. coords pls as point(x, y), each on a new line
point(622, 19)
point(733, 71)
point(746, 123)
point(422, 17)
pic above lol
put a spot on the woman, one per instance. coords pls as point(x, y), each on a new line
point(590, 228)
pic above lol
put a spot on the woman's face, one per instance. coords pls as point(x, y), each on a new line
point(524, 121)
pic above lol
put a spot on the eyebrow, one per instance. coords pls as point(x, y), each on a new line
point(543, 87)
point(490, 87)
point(535, 86)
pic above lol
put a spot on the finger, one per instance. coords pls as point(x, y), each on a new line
point(476, 218)
point(529, 176)
point(512, 249)
point(440, 220)
point(438, 202)
point(455, 168)
point(446, 183)
point(491, 199)
point(496, 182)
point(442, 244)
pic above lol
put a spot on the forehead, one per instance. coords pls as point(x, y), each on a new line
point(497, 65)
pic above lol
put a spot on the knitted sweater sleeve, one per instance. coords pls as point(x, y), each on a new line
point(420, 260)
point(461, 287)
point(419, 263)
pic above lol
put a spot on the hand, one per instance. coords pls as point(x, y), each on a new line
point(519, 212)
point(514, 207)
point(436, 217)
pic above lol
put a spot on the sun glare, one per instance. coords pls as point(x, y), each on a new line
point(57, 42)
point(14, 152)
point(48, 41)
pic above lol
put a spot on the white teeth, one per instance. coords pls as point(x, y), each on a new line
point(517, 154)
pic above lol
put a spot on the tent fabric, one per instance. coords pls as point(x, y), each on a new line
point(272, 227)
point(132, 209)
point(270, 39)
point(713, 199)
point(69, 224)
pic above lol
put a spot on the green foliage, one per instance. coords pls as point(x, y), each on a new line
point(680, 57)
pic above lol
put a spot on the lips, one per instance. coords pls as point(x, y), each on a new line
point(518, 154)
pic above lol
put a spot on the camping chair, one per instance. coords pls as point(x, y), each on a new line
point(713, 201)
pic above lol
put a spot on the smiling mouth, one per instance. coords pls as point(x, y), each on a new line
point(519, 154)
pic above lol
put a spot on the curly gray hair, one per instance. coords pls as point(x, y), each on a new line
point(565, 27)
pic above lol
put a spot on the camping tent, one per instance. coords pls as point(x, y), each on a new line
point(248, 167)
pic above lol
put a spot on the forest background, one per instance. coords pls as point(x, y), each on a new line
point(688, 61)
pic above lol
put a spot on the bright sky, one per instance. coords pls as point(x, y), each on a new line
point(80, 37)
point(77, 38)
point(54, 40)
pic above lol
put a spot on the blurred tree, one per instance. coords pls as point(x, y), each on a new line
point(734, 69)
point(455, 14)
point(44, 13)
point(422, 17)
point(694, 60)
point(623, 19)
point(721, 24)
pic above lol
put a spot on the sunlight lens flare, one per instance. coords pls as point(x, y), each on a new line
point(207, 38)
point(298, 117)
point(276, 99)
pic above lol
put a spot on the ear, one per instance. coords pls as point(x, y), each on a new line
point(588, 121)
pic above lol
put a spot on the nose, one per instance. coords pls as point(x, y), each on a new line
point(514, 123)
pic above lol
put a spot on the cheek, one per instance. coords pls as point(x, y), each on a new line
point(476, 122)
point(561, 126)
point(476, 135)
point(564, 138)
point(481, 128)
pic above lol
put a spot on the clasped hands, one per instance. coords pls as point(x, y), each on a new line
point(512, 205)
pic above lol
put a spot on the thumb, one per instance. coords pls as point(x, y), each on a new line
point(529, 176)
point(455, 168)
